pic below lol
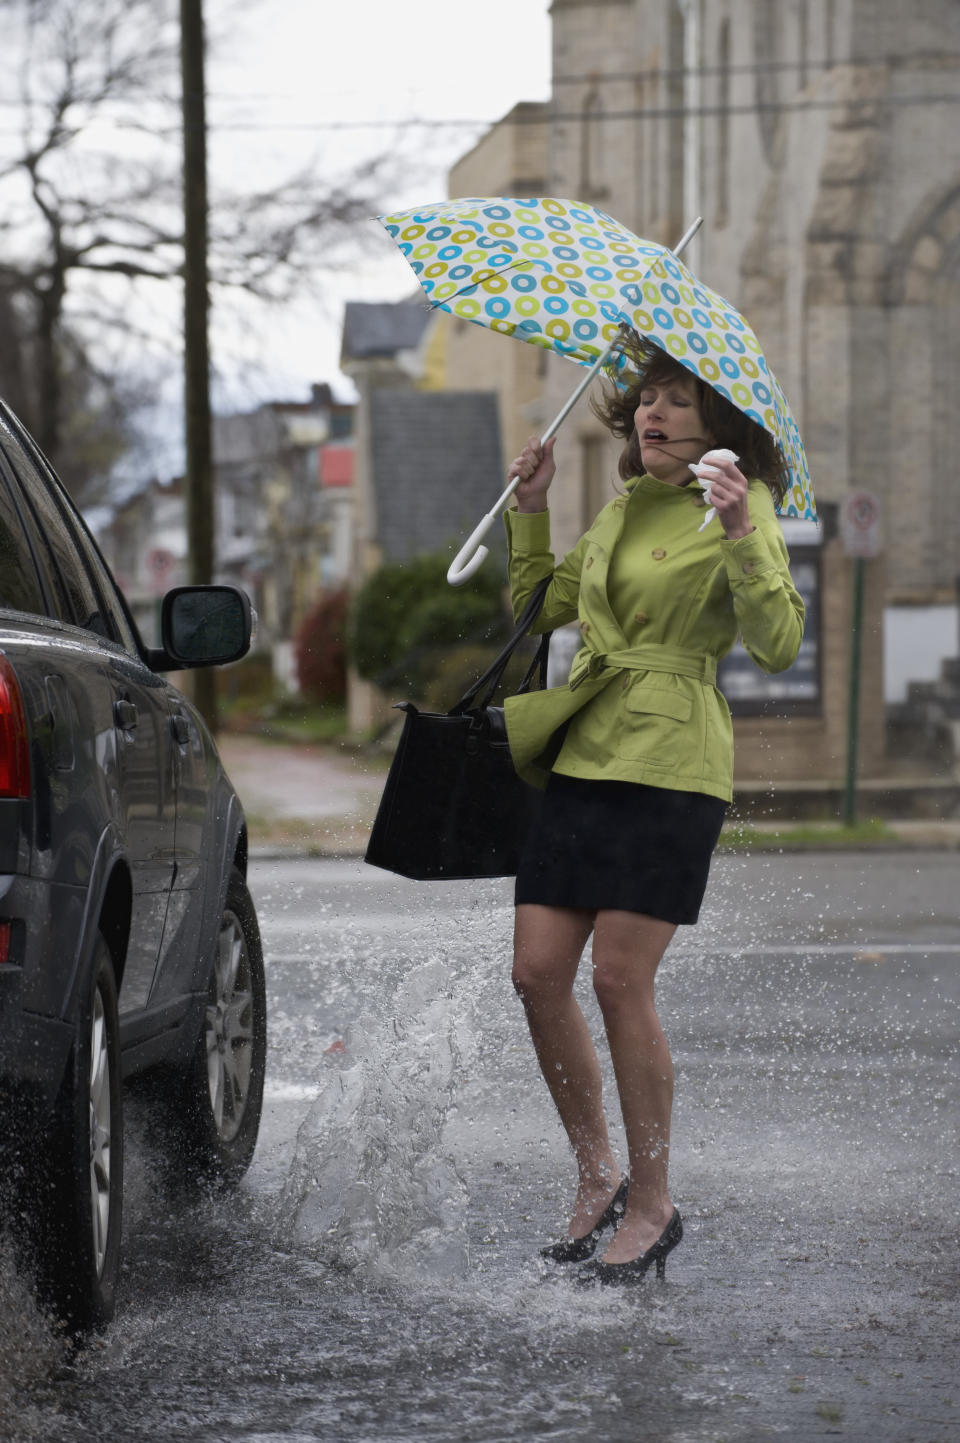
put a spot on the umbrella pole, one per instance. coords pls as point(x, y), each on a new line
point(688, 236)
point(471, 554)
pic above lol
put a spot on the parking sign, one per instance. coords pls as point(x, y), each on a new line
point(860, 525)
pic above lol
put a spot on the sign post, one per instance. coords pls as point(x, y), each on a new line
point(860, 535)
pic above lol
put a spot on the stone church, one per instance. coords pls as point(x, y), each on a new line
point(817, 138)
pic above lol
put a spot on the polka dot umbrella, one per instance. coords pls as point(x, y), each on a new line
point(568, 277)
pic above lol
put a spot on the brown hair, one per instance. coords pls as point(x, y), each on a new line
point(760, 455)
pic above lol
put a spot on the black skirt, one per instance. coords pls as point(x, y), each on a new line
point(598, 845)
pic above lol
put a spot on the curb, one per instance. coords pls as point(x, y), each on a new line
point(277, 852)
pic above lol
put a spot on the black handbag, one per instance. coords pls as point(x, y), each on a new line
point(453, 807)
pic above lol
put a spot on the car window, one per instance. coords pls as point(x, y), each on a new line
point(20, 587)
point(77, 599)
point(116, 611)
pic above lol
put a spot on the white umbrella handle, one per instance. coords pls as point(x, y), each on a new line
point(464, 564)
point(461, 569)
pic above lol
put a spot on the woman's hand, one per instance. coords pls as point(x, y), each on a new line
point(728, 493)
point(536, 470)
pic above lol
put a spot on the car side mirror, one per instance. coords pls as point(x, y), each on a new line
point(203, 626)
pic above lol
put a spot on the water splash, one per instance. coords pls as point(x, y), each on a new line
point(31, 1347)
point(372, 1183)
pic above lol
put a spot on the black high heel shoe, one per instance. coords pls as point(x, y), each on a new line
point(625, 1274)
point(575, 1250)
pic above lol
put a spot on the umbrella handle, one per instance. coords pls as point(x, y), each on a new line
point(461, 569)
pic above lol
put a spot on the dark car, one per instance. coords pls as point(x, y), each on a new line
point(128, 940)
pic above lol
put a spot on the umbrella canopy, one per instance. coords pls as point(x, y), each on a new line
point(566, 276)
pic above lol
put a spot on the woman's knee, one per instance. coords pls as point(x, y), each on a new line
point(627, 949)
point(619, 985)
point(548, 944)
point(610, 985)
point(538, 978)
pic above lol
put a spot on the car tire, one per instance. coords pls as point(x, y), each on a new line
point(217, 1108)
point(78, 1208)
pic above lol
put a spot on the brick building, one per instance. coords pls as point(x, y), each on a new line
point(811, 136)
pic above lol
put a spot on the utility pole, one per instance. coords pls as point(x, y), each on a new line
point(196, 349)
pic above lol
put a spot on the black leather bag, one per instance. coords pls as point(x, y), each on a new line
point(453, 807)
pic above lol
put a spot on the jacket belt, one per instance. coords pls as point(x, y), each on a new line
point(672, 659)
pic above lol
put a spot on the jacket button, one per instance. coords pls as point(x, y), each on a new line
point(589, 562)
point(641, 618)
point(626, 681)
point(658, 553)
point(584, 627)
point(748, 568)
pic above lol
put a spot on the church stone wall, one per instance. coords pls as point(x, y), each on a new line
point(829, 182)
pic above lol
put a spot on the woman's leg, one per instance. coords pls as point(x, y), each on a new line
point(627, 948)
point(548, 945)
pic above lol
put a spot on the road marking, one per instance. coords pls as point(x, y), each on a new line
point(291, 1091)
point(825, 949)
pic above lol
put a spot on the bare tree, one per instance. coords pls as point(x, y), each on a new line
point(90, 188)
point(98, 407)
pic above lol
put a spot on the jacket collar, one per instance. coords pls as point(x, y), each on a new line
point(653, 486)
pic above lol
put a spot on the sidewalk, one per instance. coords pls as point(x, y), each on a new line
point(307, 800)
point(321, 801)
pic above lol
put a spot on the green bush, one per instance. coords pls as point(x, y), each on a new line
point(406, 617)
point(248, 684)
point(459, 669)
point(461, 666)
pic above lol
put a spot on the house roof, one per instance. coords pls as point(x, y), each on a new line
point(382, 329)
point(436, 467)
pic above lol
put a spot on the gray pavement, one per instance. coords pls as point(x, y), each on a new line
point(377, 1278)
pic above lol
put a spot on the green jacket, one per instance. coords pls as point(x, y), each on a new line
point(659, 603)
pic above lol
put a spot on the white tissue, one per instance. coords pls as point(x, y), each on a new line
point(706, 472)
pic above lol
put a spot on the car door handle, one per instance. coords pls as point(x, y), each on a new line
point(180, 729)
point(125, 715)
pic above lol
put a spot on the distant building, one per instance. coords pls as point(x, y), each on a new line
point(435, 468)
point(145, 542)
point(428, 462)
point(392, 333)
point(336, 471)
point(284, 500)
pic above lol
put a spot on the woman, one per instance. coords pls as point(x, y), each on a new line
point(636, 754)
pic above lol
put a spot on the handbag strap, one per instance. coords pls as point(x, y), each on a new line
point(484, 687)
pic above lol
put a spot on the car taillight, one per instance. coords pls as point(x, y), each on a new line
point(14, 742)
point(4, 942)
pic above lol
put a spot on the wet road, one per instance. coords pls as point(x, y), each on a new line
point(377, 1278)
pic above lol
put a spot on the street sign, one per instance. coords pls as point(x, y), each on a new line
point(860, 536)
point(860, 525)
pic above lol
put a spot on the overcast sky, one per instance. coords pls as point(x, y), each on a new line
point(295, 79)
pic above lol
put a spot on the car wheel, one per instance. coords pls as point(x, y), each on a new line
point(220, 1103)
point(79, 1208)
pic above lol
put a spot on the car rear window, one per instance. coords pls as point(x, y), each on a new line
point(20, 588)
point(70, 582)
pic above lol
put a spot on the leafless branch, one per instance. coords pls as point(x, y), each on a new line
point(72, 217)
